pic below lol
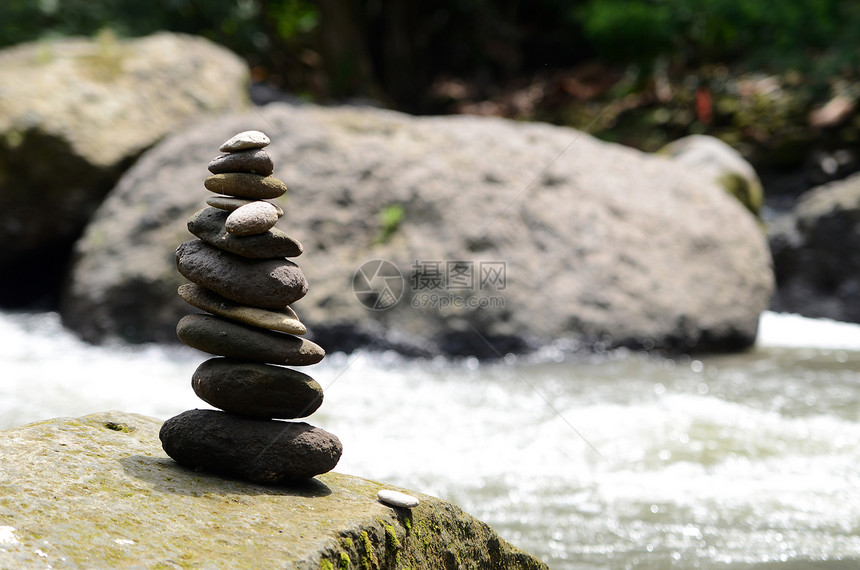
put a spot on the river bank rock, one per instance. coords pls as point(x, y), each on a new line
point(74, 115)
point(724, 165)
point(815, 253)
point(561, 238)
point(99, 492)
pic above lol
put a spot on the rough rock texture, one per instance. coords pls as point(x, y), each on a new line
point(721, 163)
point(99, 492)
point(816, 253)
point(600, 242)
point(74, 114)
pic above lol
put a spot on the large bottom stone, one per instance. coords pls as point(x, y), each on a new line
point(259, 451)
point(259, 390)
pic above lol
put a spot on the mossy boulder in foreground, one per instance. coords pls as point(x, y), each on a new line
point(99, 492)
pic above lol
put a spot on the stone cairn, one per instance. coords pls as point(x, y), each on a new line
point(240, 276)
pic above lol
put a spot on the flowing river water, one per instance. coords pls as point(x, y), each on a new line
point(609, 461)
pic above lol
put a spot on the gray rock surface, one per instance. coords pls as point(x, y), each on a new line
point(599, 243)
point(266, 283)
point(99, 492)
point(258, 390)
point(816, 251)
point(226, 338)
point(270, 452)
point(74, 114)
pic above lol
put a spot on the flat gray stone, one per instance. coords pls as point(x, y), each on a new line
point(229, 203)
point(254, 389)
point(264, 283)
point(209, 225)
point(244, 185)
point(255, 218)
point(245, 140)
point(252, 161)
point(259, 451)
point(284, 320)
point(234, 340)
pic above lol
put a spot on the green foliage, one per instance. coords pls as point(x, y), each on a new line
point(779, 35)
point(390, 218)
point(629, 31)
point(293, 18)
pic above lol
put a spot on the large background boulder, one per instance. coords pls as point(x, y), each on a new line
point(99, 492)
point(599, 242)
point(816, 253)
point(74, 114)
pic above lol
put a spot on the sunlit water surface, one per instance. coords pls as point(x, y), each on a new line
point(619, 460)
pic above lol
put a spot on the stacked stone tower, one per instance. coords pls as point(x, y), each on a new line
point(241, 277)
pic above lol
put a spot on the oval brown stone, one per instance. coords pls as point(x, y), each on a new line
point(265, 283)
point(254, 389)
point(209, 224)
point(260, 451)
point(244, 185)
point(225, 338)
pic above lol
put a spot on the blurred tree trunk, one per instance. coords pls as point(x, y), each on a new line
point(344, 49)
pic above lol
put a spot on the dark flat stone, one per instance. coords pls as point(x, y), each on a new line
point(260, 451)
point(209, 225)
point(284, 320)
point(226, 338)
point(264, 283)
point(253, 389)
point(252, 161)
point(243, 185)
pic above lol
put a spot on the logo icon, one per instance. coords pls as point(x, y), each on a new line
point(378, 284)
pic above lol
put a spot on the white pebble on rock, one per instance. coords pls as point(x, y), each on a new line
point(252, 219)
point(245, 140)
point(397, 499)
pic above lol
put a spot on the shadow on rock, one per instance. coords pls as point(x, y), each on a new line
point(167, 476)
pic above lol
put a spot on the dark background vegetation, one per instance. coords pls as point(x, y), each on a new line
point(640, 72)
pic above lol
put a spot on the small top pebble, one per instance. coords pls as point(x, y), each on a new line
point(245, 140)
point(397, 499)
